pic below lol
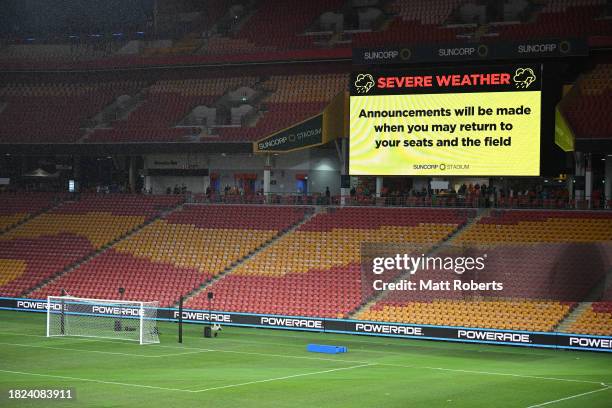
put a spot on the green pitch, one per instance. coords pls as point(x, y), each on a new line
point(271, 368)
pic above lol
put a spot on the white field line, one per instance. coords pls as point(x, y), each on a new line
point(535, 377)
point(414, 366)
point(284, 378)
point(568, 398)
point(352, 361)
point(287, 377)
point(105, 352)
point(61, 377)
point(185, 353)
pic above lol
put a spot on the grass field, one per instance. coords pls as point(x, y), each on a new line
point(271, 368)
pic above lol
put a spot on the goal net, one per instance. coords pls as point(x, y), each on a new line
point(110, 319)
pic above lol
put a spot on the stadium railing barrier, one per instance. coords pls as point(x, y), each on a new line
point(433, 201)
point(442, 201)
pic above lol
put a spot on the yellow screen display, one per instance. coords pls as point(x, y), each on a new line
point(462, 133)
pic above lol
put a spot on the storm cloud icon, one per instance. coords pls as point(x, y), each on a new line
point(523, 77)
point(364, 82)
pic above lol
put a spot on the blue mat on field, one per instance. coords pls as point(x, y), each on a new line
point(322, 348)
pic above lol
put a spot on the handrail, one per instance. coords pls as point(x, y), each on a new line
point(439, 201)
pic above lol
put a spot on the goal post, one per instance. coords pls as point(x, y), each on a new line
point(102, 318)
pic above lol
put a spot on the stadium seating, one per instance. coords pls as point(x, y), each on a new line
point(540, 226)
point(315, 271)
point(55, 113)
point(587, 108)
point(273, 32)
point(522, 314)
point(548, 261)
point(568, 18)
point(293, 98)
point(597, 81)
point(596, 319)
point(175, 255)
point(62, 113)
point(141, 278)
point(32, 260)
point(15, 208)
point(417, 22)
point(47, 244)
point(541, 284)
point(305, 88)
point(280, 24)
point(276, 31)
point(276, 117)
point(424, 22)
point(166, 103)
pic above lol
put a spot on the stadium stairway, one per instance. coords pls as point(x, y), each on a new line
point(242, 21)
point(229, 269)
point(598, 293)
point(565, 325)
point(139, 99)
point(29, 217)
point(101, 250)
point(380, 295)
point(115, 111)
point(480, 213)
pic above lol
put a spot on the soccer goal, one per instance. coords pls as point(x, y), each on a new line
point(109, 319)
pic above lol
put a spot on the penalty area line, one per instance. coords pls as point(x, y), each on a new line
point(287, 377)
point(62, 377)
point(569, 398)
point(418, 367)
point(527, 376)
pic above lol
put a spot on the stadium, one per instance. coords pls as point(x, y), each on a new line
point(323, 203)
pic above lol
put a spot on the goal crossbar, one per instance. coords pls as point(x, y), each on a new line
point(102, 318)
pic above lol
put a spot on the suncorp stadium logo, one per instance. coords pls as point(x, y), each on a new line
point(523, 77)
point(364, 82)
